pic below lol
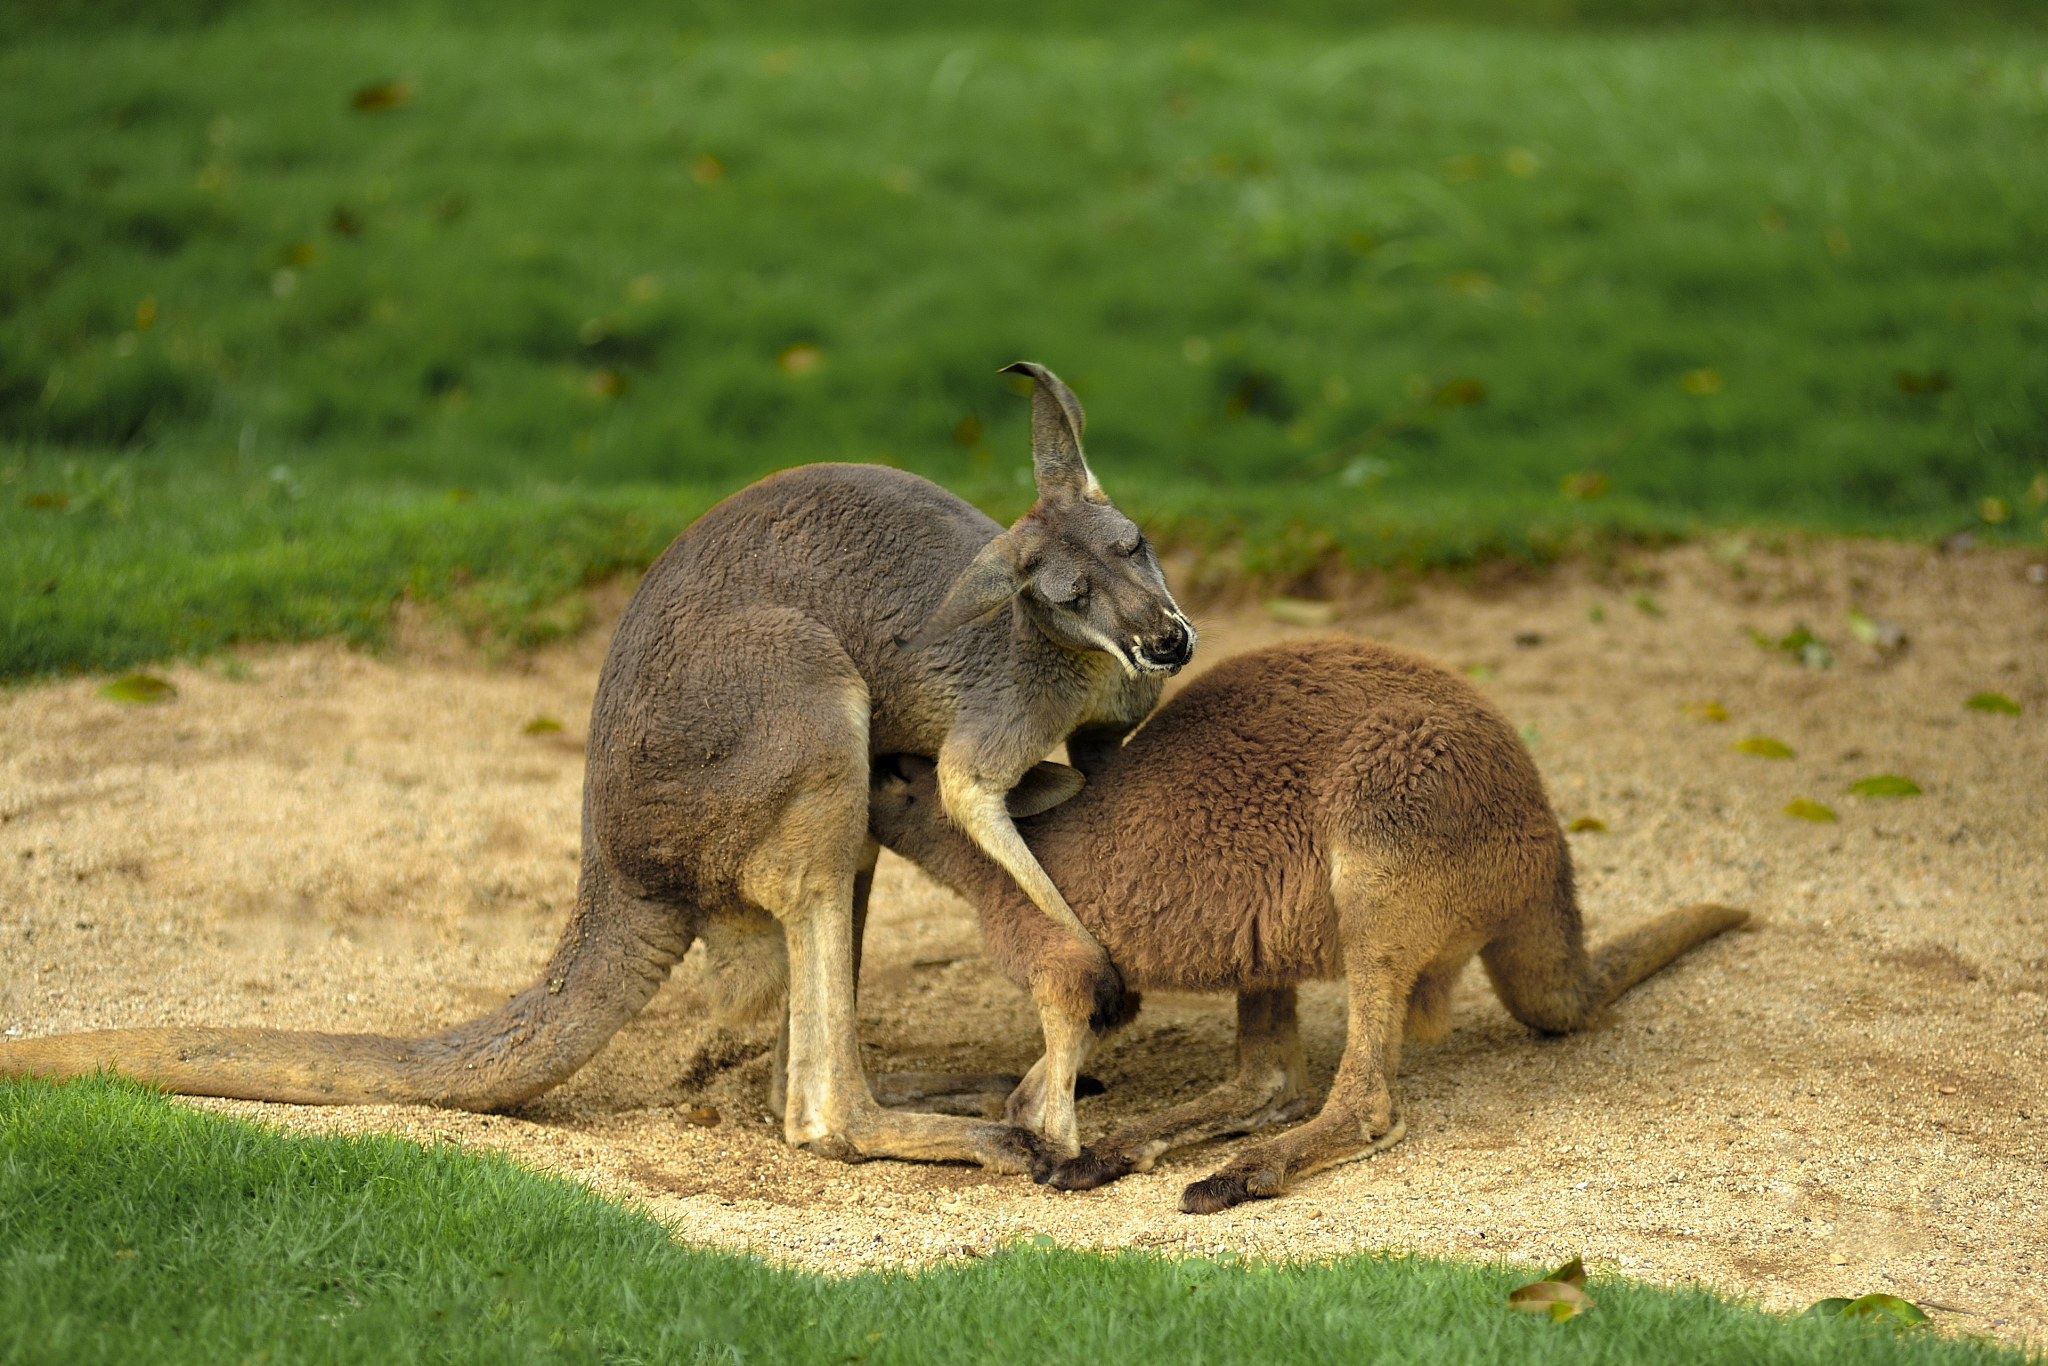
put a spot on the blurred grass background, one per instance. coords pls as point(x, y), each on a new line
point(305, 308)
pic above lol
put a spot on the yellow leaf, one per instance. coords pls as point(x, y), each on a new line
point(1764, 747)
point(139, 688)
point(1712, 712)
point(1808, 811)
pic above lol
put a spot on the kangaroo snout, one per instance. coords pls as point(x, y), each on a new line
point(1168, 649)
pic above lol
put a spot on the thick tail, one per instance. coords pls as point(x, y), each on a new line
point(1627, 959)
point(610, 961)
point(1542, 974)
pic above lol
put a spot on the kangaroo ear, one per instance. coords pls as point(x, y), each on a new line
point(1043, 786)
point(990, 580)
point(1056, 426)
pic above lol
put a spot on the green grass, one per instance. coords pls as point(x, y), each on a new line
point(135, 1229)
point(1375, 289)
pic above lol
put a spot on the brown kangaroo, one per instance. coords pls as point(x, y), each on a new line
point(810, 621)
point(1317, 809)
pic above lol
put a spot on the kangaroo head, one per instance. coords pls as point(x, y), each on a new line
point(906, 816)
point(1083, 571)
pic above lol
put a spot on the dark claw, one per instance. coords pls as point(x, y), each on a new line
point(1044, 1161)
point(1090, 1169)
point(1214, 1194)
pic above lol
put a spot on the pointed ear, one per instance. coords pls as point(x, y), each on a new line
point(990, 580)
point(1056, 426)
point(1043, 787)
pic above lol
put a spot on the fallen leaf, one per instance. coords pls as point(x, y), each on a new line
point(1946, 1090)
point(1993, 701)
point(150, 688)
point(1808, 811)
point(1885, 785)
point(703, 1116)
point(1700, 383)
point(1587, 484)
point(799, 359)
point(1480, 672)
point(382, 96)
point(1572, 1272)
point(1882, 636)
point(1301, 611)
point(1586, 824)
point(540, 725)
point(1903, 1313)
point(1801, 643)
point(1706, 711)
point(1646, 604)
point(1764, 747)
point(1558, 1296)
point(606, 383)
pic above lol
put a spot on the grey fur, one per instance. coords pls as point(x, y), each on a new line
point(752, 678)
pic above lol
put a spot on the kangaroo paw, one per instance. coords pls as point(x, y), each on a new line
point(1008, 1148)
point(1214, 1194)
point(834, 1148)
point(1113, 1005)
point(1267, 1181)
point(1090, 1169)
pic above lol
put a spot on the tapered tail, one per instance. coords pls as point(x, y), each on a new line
point(606, 967)
point(1627, 959)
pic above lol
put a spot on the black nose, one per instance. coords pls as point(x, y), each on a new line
point(1172, 645)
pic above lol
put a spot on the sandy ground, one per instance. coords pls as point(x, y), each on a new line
point(1847, 1097)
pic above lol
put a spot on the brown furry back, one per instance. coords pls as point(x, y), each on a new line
point(1199, 857)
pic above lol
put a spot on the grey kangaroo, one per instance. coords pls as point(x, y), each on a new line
point(1317, 809)
point(808, 622)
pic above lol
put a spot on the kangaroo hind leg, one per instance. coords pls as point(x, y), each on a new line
point(808, 852)
point(1270, 1088)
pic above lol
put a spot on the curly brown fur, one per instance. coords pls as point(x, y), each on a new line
point(1316, 809)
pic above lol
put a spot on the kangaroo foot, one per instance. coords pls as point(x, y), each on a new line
point(1011, 1149)
point(1233, 1186)
point(1090, 1169)
point(1214, 1194)
point(834, 1148)
point(1263, 1173)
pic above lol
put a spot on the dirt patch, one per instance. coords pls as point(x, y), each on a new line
point(1847, 1097)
